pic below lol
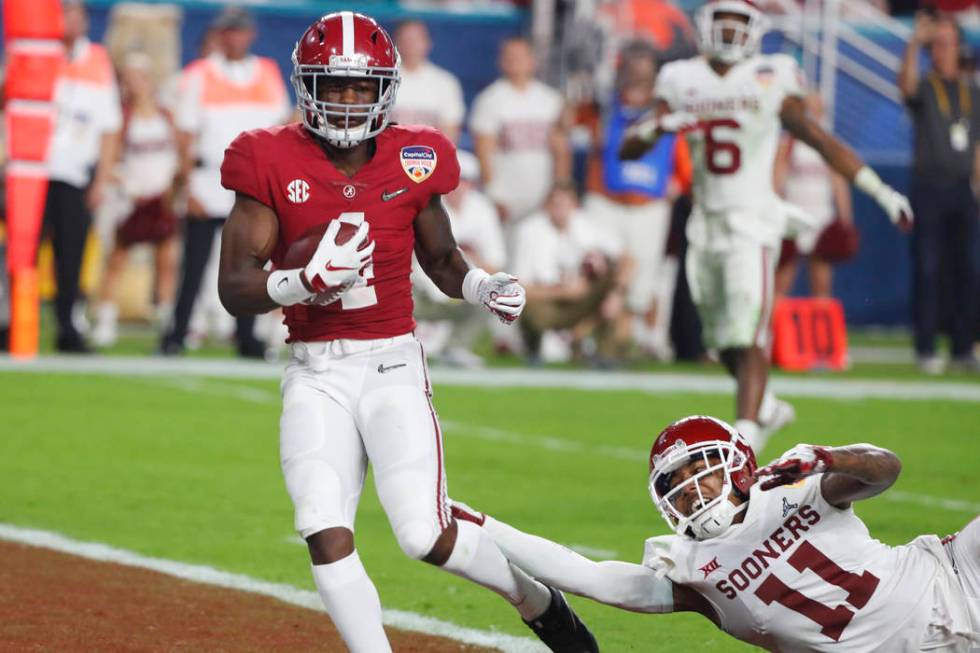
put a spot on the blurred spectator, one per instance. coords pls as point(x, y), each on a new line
point(574, 274)
point(631, 200)
point(520, 132)
point(804, 180)
point(448, 328)
point(145, 177)
point(659, 21)
point(80, 159)
point(945, 108)
point(428, 95)
point(220, 96)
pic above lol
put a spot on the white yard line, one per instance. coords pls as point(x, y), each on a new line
point(954, 505)
point(826, 387)
point(286, 593)
point(587, 551)
point(547, 442)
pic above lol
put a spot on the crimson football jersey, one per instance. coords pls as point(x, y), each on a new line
point(285, 169)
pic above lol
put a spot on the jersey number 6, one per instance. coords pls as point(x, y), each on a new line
point(721, 157)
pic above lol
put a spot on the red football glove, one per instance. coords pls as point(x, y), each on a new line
point(799, 462)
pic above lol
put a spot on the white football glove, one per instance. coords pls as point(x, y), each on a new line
point(503, 296)
point(498, 293)
point(330, 296)
point(678, 121)
point(648, 129)
point(800, 461)
point(334, 266)
point(895, 205)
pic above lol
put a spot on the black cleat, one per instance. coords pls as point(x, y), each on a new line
point(561, 629)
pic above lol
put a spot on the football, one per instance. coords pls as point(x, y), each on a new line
point(301, 250)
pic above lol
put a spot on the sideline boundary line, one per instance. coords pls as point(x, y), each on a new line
point(647, 382)
point(207, 575)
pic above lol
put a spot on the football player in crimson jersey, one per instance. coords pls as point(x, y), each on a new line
point(784, 563)
point(356, 388)
point(732, 103)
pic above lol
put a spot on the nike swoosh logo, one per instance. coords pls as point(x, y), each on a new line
point(386, 196)
point(282, 281)
point(334, 268)
point(382, 369)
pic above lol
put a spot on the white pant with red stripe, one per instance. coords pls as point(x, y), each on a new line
point(733, 291)
point(346, 402)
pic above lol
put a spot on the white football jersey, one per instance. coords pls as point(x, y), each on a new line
point(430, 96)
point(734, 150)
point(799, 574)
point(522, 121)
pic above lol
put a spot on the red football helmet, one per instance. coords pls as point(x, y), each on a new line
point(345, 44)
point(746, 35)
point(721, 448)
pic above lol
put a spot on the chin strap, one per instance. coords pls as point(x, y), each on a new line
point(717, 520)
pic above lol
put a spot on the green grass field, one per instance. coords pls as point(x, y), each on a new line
point(187, 469)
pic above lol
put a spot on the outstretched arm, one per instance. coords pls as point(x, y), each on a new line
point(620, 584)
point(851, 473)
point(643, 135)
point(845, 161)
point(838, 156)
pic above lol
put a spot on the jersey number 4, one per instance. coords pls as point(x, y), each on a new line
point(361, 295)
point(722, 157)
point(833, 621)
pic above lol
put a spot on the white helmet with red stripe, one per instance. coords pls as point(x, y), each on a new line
point(345, 44)
point(730, 30)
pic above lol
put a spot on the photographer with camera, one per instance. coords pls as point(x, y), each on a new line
point(945, 108)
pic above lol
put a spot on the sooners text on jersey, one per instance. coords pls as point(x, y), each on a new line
point(285, 169)
point(799, 574)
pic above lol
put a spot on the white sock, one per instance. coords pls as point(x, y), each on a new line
point(476, 558)
point(352, 602)
point(767, 406)
point(107, 312)
point(749, 429)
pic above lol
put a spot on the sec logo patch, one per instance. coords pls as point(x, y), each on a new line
point(418, 162)
point(298, 191)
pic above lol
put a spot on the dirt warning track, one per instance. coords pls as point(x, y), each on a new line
point(51, 601)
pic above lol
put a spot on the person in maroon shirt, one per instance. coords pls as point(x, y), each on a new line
point(357, 388)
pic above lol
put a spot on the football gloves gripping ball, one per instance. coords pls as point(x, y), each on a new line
point(334, 268)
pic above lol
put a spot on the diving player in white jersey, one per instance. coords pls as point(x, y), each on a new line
point(784, 563)
point(732, 103)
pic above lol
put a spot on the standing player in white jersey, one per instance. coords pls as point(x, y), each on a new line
point(784, 564)
point(732, 104)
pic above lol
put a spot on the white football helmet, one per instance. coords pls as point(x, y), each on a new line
point(746, 36)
